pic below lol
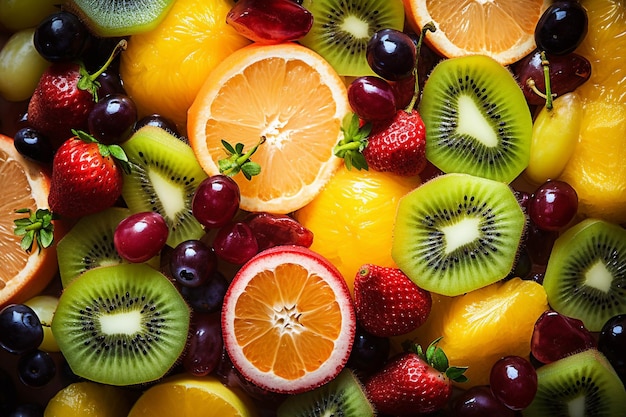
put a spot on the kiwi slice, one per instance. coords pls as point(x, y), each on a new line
point(342, 28)
point(586, 273)
point(89, 244)
point(164, 176)
point(344, 396)
point(120, 18)
point(477, 120)
point(583, 384)
point(121, 325)
point(457, 233)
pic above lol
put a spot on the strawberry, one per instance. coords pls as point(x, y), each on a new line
point(87, 176)
point(64, 97)
point(414, 382)
point(387, 302)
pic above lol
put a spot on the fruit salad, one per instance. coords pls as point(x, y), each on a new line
point(313, 207)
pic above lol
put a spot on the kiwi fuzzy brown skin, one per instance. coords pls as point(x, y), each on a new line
point(342, 28)
point(490, 136)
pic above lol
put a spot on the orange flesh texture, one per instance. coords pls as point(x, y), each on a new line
point(287, 321)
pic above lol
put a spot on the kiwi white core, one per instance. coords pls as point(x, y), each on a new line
point(356, 27)
point(171, 195)
point(460, 234)
point(599, 277)
point(127, 323)
point(576, 407)
point(474, 124)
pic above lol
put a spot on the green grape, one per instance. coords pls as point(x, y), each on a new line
point(21, 66)
point(16, 15)
point(44, 306)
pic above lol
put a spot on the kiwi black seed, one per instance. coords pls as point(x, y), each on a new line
point(342, 28)
point(342, 397)
point(477, 120)
point(121, 325)
point(163, 178)
point(89, 244)
point(120, 18)
point(457, 233)
point(583, 384)
point(586, 273)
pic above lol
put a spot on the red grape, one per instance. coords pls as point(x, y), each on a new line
point(479, 401)
point(140, 236)
point(553, 205)
point(235, 243)
point(216, 201)
point(204, 349)
point(372, 98)
point(277, 229)
point(513, 381)
point(556, 336)
point(112, 118)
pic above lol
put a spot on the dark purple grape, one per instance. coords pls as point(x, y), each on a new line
point(277, 229)
point(61, 37)
point(110, 83)
point(556, 336)
point(216, 201)
point(208, 297)
point(235, 243)
point(158, 121)
point(112, 118)
point(513, 381)
point(36, 368)
point(205, 345)
point(192, 263)
point(33, 145)
point(567, 72)
point(612, 343)
point(561, 27)
point(140, 236)
point(27, 410)
point(20, 329)
point(553, 205)
point(479, 401)
point(391, 54)
point(369, 352)
point(539, 243)
point(523, 264)
point(372, 98)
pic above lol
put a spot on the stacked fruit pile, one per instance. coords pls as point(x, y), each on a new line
point(317, 207)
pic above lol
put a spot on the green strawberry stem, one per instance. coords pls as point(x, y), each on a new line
point(88, 81)
point(115, 151)
point(36, 227)
point(428, 27)
point(355, 139)
point(436, 358)
point(237, 161)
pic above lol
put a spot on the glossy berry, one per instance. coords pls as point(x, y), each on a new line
point(513, 381)
point(140, 236)
point(556, 336)
point(216, 201)
point(277, 229)
point(36, 368)
point(235, 243)
point(561, 28)
point(158, 121)
point(372, 98)
point(479, 401)
point(20, 329)
point(112, 118)
point(192, 263)
point(204, 348)
point(369, 353)
point(33, 145)
point(612, 343)
point(553, 205)
point(207, 297)
point(391, 54)
point(61, 37)
point(110, 83)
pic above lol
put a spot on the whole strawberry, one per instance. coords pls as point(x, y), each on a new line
point(387, 302)
point(86, 176)
point(414, 382)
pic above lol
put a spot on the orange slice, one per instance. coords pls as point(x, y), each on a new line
point(288, 320)
point(24, 185)
point(502, 29)
point(291, 96)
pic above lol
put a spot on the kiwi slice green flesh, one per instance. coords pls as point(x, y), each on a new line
point(121, 325)
point(344, 396)
point(120, 18)
point(476, 118)
point(163, 178)
point(342, 28)
point(583, 384)
point(586, 273)
point(457, 233)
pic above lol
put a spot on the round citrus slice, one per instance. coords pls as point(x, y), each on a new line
point(287, 94)
point(188, 396)
point(288, 320)
point(25, 185)
point(502, 29)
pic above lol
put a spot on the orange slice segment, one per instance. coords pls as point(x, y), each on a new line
point(502, 29)
point(24, 185)
point(288, 320)
point(291, 96)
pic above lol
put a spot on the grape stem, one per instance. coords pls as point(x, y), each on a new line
point(428, 27)
point(548, 96)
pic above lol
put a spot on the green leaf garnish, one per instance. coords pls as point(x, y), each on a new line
point(435, 357)
point(36, 228)
point(238, 161)
point(354, 141)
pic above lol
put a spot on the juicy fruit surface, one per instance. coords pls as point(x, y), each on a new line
point(288, 320)
point(164, 68)
point(89, 399)
point(496, 321)
point(348, 234)
point(186, 396)
point(295, 100)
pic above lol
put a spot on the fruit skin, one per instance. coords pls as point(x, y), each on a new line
point(387, 302)
point(84, 179)
point(413, 383)
point(398, 147)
